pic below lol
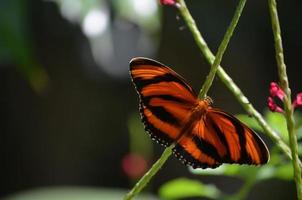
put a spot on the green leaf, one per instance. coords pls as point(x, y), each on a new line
point(139, 141)
point(217, 171)
point(251, 122)
point(265, 172)
point(278, 123)
point(285, 172)
point(298, 119)
point(17, 46)
point(74, 193)
point(234, 170)
point(184, 188)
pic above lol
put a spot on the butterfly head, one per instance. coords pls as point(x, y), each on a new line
point(208, 100)
point(205, 103)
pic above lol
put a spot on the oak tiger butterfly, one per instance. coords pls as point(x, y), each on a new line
point(204, 137)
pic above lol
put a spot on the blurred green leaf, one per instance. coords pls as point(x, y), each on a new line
point(139, 140)
point(265, 172)
point(17, 45)
point(298, 118)
point(144, 14)
point(210, 172)
point(232, 170)
point(285, 172)
point(278, 123)
point(74, 193)
point(184, 188)
point(250, 121)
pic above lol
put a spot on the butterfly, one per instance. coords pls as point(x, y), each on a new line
point(204, 137)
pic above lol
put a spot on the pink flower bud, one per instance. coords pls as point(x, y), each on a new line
point(273, 106)
point(134, 165)
point(298, 100)
point(167, 2)
point(275, 90)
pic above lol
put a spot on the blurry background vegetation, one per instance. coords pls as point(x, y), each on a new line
point(69, 113)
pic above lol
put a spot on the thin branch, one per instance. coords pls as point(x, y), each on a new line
point(226, 39)
point(289, 110)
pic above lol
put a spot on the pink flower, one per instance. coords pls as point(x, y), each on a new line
point(298, 101)
point(273, 106)
point(275, 90)
point(168, 2)
point(134, 165)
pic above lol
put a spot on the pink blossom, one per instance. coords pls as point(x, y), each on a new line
point(275, 90)
point(168, 2)
point(298, 100)
point(134, 165)
point(273, 106)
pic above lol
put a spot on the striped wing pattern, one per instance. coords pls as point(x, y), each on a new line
point(205, 140)
point(220, 138)
point(165, 99)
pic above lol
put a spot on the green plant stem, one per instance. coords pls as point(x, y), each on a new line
point(152, 171)
point(222, 47)
point(228, 81)
point(289, 110)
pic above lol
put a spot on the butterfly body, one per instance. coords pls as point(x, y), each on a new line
point(204, 137)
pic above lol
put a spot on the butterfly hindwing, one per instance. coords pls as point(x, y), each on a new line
point(201, 147)
point(165, 98)
point(243, 145)
point(220, 138)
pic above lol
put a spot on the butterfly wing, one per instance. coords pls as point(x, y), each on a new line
point(243, 145)
point(219, 138)
point(202, 141)
point(166, 99)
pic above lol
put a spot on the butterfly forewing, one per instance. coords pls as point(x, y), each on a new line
point(205, 138)
point(165, 98)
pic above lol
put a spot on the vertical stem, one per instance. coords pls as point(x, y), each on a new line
point(222, 47)
point(289, 110)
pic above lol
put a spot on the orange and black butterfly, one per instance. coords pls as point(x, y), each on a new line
point(204, 137)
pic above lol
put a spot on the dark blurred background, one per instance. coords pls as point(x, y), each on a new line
point(68, 106)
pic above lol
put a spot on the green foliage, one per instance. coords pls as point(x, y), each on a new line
point(73, 193)
point(17, 45)
point(184, 188)
point(139, 143)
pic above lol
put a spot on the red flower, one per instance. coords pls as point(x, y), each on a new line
point(168, 2)
point(298, 101)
